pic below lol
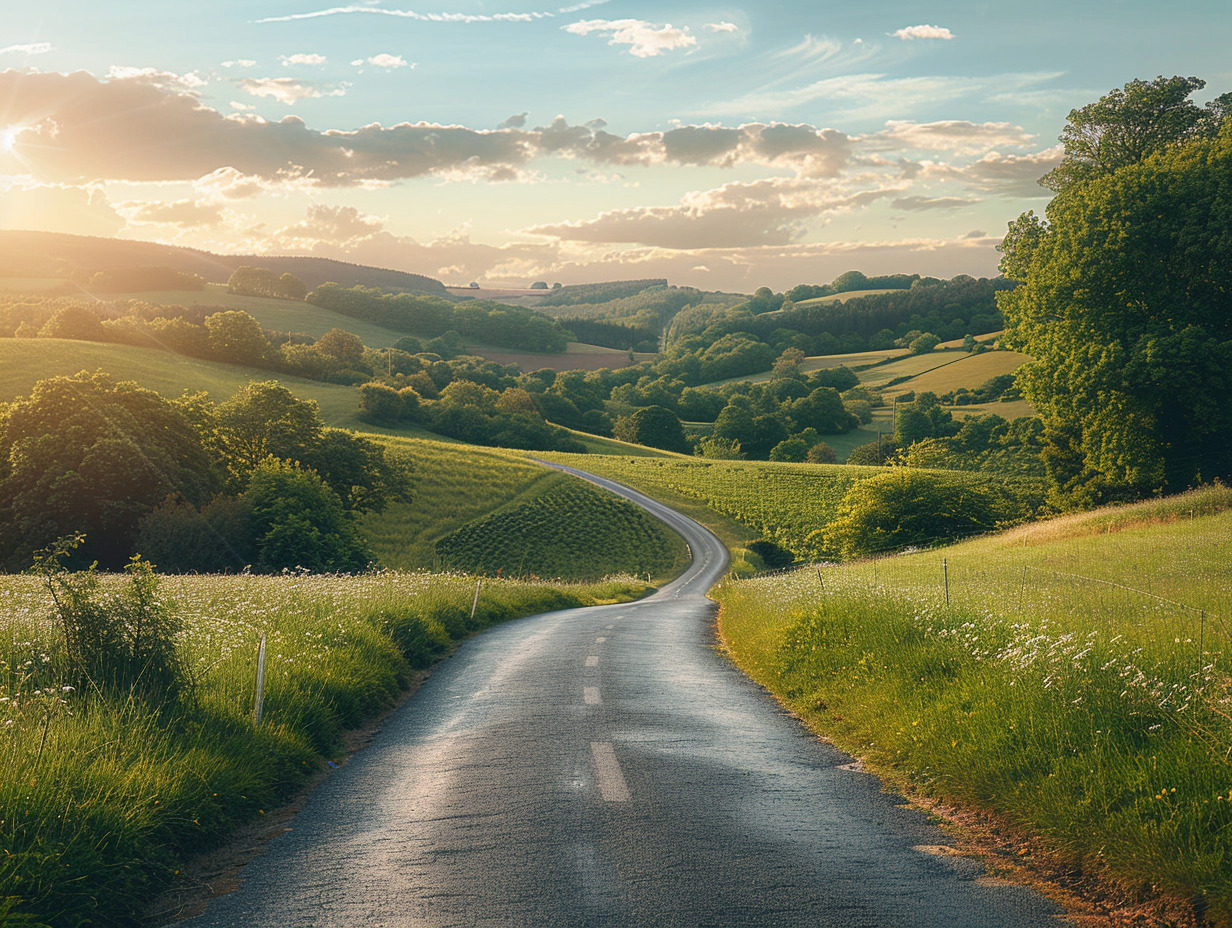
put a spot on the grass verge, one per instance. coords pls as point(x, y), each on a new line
point(103, 798)
point(1069, 678)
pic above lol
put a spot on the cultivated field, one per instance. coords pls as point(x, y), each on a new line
point(968, 371)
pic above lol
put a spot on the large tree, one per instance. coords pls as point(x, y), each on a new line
point(87, 454)
point(1126, 308)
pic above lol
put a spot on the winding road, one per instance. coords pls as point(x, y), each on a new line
point(609, 767)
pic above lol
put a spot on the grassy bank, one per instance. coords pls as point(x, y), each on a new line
point(1075, 684)
point(103, 795)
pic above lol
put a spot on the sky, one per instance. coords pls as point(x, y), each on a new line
point(726, 145)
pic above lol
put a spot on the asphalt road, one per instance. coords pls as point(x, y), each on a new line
point(608, 767)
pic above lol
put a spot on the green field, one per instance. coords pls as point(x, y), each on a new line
point(968, 371)
point(909, 366)
point(26, 361)
point(741, 501)
point(1069, 677)
point(844, 297)
point(571, 529)
point(104, 794)
point(823, 362)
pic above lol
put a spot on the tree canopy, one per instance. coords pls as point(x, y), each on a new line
point(1125, 303)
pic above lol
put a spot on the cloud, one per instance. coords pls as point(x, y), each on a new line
point(186, 214)
point(37, 207)
point(915, 203)
point(30, 48)
point(701, 144)
point(305, 58)
point(646, 40)
point(390, 62)
point(722, 27)
point(287, 90)
point(910, 33)
point(955, 136)
point(230, 184)
point(164, 80)
point(240, 63)
point(411, 14)
point(516, 121)
point(811, 48)
point(1012, 175)
point(773, 211)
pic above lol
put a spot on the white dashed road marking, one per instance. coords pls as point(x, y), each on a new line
point(591, 695)
point(612, 785)
point(592, 661)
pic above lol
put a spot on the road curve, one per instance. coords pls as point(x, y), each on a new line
point(608, 767)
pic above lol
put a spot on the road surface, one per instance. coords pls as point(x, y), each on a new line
point(608, 767)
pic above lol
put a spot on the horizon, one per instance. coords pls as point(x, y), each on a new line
point(718, 146)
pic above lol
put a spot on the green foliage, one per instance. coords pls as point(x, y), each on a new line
point(905, 507)
point(1124, 310)
point(923, 343)
point(88, 455)
point(298, 522)
point(574, 531)
point(237, 337)
point(264, 418)
point(124, 641)
point(140, 279)
point(510, 327)
point(260, 281)
point(653, 426)
point(600, 292)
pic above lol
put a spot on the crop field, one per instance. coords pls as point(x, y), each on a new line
point(454, 484)
point(910, 366)
point(26, 361)
point(577, 357)
point(844, 297)
point(740, 501)
point(103, 796)
point(1071, 677)
point(572, 530)
point(823, 362)
point(968, 371)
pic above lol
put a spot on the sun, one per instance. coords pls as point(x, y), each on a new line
point(8, 138)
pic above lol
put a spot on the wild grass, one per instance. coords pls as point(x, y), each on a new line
point(1073, 680)
point(103, 797)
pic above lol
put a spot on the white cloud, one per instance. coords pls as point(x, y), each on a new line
point(411, 14)
point(301, 58)
point(287, 90)
point(186, 214)
point(958, 137)
point(390, 62)
point(646, 40)
point(723, 26)
point(30, 48)
point(915, 203)
point(909, 33)
point(166, 80)
point(240, 63)
point(811, 48)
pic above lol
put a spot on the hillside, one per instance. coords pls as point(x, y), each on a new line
point(53, 254)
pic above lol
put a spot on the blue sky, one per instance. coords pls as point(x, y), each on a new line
point(719, 145)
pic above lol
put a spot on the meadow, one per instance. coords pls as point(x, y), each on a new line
point(1069, 678)
point(105, 794)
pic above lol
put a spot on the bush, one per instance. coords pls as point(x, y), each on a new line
point(910, 507)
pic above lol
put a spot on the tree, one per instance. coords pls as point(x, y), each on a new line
point(237, 338)
point(261, 281)
point(85, 454)
point(1124, 310)
point(1125, 127)
point(298, 521)
point(655, 427)
point(343, 346)
point(911, 507)
point(262, 419)
point(923, 344)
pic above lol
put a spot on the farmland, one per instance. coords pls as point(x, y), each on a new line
point(1068, 677)
point(741, 501)
point(570, 530)
point(967, 371)
point(105, 795)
